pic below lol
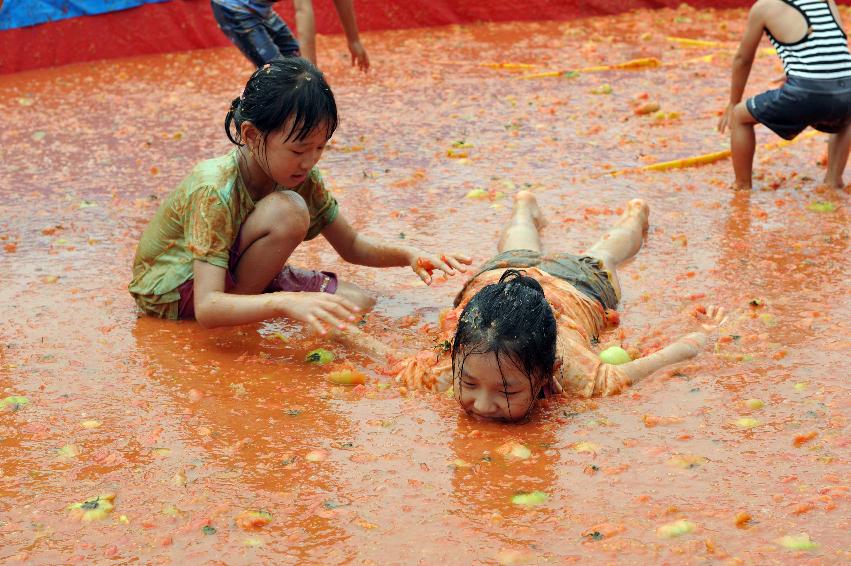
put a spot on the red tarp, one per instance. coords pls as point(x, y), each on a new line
point(188, 24)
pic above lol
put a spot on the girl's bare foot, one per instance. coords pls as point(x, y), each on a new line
point(527, 200)
point(637, 208)
point(833, 184)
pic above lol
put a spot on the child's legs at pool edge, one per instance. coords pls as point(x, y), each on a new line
point(521, 232)
point(623, 240)
point(837, 157)
point(742, 144)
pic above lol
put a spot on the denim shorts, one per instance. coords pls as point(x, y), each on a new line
point(585, 273)
point(824, 104)
point(261, 39)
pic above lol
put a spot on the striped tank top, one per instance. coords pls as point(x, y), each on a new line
point(823, 52)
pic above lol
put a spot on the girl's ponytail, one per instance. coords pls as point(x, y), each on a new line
point(518, 277)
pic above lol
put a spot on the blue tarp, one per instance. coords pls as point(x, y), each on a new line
point(23, 13)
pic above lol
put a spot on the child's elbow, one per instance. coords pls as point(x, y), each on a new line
point(742, 59)
point(205, 317)
point(205, 322)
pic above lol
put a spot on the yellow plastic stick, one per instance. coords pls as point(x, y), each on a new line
point(711, 56)
point(701, 59)
point(492, 65)
point(548, 74)
point(648, 62)
point(688, 161)
point(688, 42)
point(508, 65)
point(708, 157)
point(632, 64)
point(637, 63)
point(678, 163)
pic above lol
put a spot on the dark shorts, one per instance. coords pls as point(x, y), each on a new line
point(585, 273)
point(262, 40)
point(823, 104)
point(292, 279)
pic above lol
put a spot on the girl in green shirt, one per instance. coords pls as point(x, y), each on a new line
point(217, 248)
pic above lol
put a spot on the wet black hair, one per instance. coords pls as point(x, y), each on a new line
point(511, 318)
point(280, 90)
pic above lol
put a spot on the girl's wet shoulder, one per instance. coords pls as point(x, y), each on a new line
point(216, 172)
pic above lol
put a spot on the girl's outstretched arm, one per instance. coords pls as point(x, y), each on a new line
point(356, 248)
point(683, 349)
point(214, 307)
point(743, 61)
point(356, 339)
point(429, 368)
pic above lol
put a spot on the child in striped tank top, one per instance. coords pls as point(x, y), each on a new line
point(811, 42)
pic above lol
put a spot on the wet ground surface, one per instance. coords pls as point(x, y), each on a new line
point(226, 447)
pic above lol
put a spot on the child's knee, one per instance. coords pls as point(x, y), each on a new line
point(285, 214)
point(742, 115)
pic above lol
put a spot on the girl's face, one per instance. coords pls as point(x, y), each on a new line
point(488, 393)
point(289, 162)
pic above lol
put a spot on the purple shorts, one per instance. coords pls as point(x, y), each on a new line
point(292, 279)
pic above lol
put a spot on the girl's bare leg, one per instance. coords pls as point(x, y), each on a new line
point(623, 240)
point(742, 144)
point(837, 157)
point(266, 242)
point(522, 230)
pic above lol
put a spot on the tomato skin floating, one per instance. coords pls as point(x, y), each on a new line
point(646, 108)
point(530, 498)
point(319, 356)
point(319, 455)
point(615, 355)
point(253, 519)
point(95, 509)
point(514, 450)
point(797, 542)
point(13, 402)
point(346, 377)
point(676, 529)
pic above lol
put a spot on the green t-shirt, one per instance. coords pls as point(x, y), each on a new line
point(201, 220)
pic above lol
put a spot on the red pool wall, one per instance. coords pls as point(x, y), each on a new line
point(188, 24)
